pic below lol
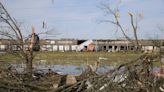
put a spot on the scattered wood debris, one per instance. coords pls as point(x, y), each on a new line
point(134, 76)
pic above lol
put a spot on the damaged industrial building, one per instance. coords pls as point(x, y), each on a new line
point(64, 45)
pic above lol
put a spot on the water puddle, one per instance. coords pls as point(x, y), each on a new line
point(63, 69)
point(68, 69)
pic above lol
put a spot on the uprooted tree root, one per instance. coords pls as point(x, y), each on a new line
point(135, 76)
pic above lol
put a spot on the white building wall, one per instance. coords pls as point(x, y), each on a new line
point(52, 42)
point(49, 48)
point(2, 47)
point(82, 45)
point(55, 48)
point(66, 47)
point(74, 47)
point(61, 48)
point(145, 48)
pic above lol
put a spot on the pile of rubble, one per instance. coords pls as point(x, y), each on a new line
point(134, 76)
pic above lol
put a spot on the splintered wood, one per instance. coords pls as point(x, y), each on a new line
point(134, 76)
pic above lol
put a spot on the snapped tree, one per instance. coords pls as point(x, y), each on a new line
point(134, 18)
point(15, 37)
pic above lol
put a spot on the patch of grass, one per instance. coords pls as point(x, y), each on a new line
point(78, 58)
point(9, 58)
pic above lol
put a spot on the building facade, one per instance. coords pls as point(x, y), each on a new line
point(63, 45)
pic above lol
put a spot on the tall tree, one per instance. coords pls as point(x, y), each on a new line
point(116, 18)
point(15, 37)
point(115, 13)
point(134, 23)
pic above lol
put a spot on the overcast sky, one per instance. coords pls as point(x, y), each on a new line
point(81, 18)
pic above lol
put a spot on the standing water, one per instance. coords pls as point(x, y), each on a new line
point(63, 69)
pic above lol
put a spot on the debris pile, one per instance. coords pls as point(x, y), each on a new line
point(134, 76)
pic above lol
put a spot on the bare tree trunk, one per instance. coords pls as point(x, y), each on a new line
point(135, 31)
point(115, 13)
point(136, 39)
point(29, 59)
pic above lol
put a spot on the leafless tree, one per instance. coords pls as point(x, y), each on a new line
point(14, 33)
point(115, 13)
point(14, 36)
point(135, 18)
